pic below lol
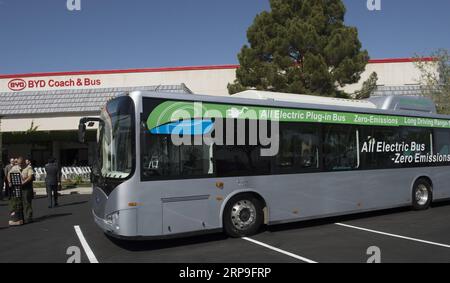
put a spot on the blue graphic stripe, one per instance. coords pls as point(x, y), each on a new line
point(185, 127)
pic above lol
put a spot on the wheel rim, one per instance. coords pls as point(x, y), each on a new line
point(422, 195)
point(243, 214)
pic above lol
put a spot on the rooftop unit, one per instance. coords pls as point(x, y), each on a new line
point(302, 98)
point(392, 102)
point(406, 103)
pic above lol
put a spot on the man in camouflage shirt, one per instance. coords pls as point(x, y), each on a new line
point(26, 172)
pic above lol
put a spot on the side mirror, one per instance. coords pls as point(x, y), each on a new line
point(82, 127)
point(82, 132)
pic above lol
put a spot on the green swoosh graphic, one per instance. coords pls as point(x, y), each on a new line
point(171, 111)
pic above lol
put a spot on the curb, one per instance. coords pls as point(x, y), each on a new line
point(76, 191)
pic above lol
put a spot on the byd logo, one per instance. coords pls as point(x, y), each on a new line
point(17, 85)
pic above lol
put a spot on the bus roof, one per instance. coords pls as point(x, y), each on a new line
point(418, 106)
point(302, 98)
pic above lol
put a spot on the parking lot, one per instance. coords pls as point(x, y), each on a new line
point(400, 235)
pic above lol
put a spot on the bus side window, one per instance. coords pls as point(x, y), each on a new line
point(195, 160)
point(231, 160)
point(442, 141)
point(418, 136)
point(339, 147)
point(299, 148)
point(372, 159)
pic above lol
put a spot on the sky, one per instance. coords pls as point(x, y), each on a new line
point(44, 36)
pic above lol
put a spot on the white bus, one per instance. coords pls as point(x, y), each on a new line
point(326, 157)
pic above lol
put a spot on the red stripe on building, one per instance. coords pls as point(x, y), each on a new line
point(401, 60)
point(106, 72)
point(175, 69)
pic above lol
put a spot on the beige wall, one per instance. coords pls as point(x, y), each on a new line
point(389, 74)
point(212, 82)
point(204, 80)
point(44, 124)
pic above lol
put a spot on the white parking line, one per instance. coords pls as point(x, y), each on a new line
point(87, 249)
point(394, 235)
point(279, 250)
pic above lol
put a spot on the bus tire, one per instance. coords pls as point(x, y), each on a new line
point(243, 216)
point(422, 195)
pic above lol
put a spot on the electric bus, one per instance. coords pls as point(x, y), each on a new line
point(171, 165)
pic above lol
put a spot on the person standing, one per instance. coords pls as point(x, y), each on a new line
point(27, 187)
point(6, 171)
point(30, 164)
point(2, 180)
point(52, 181)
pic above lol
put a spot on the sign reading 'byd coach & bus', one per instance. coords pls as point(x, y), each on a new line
point(33, 84)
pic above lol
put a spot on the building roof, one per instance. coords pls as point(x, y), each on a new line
point(69, 101)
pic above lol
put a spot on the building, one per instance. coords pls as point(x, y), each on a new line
point(39, 112)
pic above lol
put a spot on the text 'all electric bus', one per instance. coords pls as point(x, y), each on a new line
point(176, 164)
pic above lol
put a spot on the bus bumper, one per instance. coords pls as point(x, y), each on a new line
point(121, 223)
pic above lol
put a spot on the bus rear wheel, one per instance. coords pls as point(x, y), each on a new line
point(243, 216)
point(422, 195)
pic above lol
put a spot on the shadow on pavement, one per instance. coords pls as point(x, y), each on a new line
point(440, 203)
point(39, 197)
point(41, 219)
point(149, 245)
point(50, 216)
point(72, 203)
point(335, 219)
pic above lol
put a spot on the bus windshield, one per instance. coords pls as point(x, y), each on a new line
point(116, 139)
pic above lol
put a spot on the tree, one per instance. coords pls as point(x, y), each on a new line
point(435, 79)
point(32, 128)
point(368, 87)
point(300, 46)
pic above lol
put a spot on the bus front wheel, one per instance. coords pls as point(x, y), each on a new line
point(243, 216)
point(422, 195)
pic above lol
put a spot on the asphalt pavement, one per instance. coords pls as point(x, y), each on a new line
point(397, 235)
